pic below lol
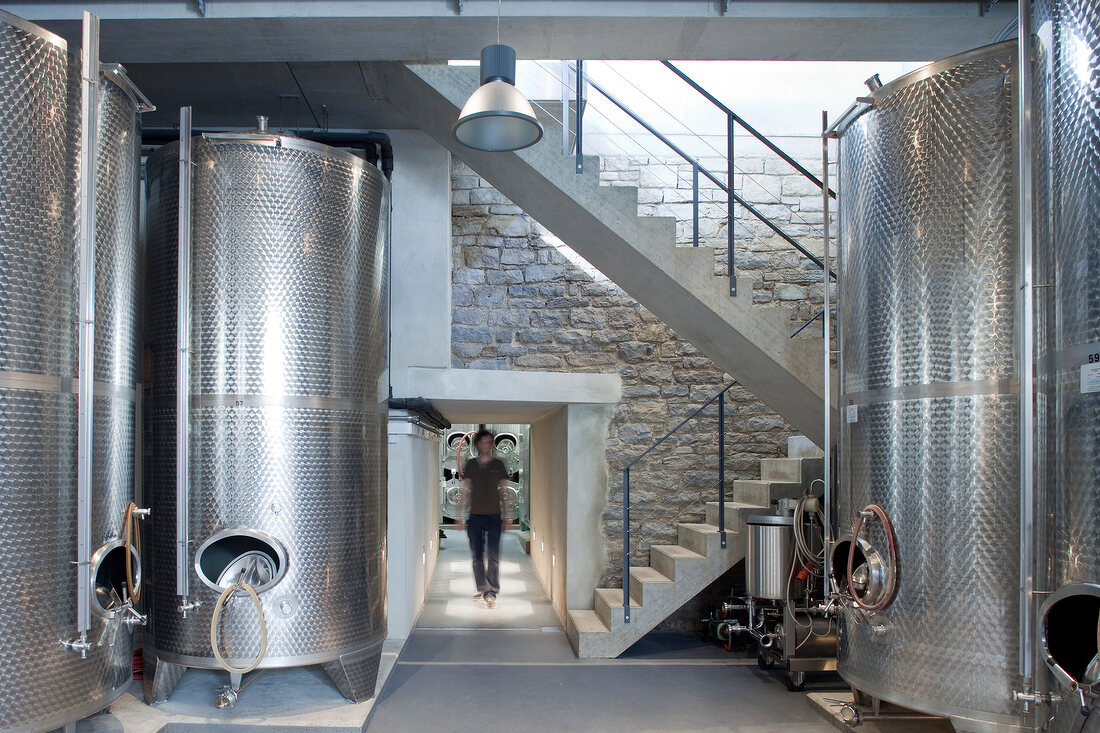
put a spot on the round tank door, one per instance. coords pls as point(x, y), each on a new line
point(109, 579)
point(1070, 623)
point(233, 555)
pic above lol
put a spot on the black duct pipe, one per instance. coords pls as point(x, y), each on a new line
point(376, 146)
point(423, 408)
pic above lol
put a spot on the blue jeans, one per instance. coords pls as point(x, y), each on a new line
point(486, 564)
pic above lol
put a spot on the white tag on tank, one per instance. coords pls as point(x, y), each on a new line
point(852, 413)
point(1090, 378)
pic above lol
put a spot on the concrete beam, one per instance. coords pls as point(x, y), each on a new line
point(424, 30)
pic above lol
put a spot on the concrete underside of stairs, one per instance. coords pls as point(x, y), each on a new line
point(601, 223)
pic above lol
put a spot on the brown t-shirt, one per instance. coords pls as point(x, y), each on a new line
point(484, 485)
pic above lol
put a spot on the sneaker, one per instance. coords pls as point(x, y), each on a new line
point(490, 601)
point(478, 596)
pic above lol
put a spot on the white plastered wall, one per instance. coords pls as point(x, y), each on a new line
point(413, 519)
point(568, 494)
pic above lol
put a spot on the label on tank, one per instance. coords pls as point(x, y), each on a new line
point(852, 413)
point(1090, 378)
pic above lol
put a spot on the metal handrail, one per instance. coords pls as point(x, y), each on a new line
point(721, 397)
point(807, 323)
point(748, 128)
point(732, 197)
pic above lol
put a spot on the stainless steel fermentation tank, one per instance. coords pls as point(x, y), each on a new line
point(929, 393)
point(1066, 47)
point(287, 419)
point(46, 685)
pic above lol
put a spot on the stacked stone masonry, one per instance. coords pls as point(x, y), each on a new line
point(521, 300)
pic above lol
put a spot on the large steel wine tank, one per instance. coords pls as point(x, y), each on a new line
point(288, 413)
point(929, 390)
point(45, 685)
point(1066, 118)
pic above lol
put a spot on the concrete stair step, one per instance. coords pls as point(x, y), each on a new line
point(649, 587)
point(674, 561)
point(587, 634)
point(609, 607)
point(765, 493)
point(704, 539)
point(794, 470)
point(736, 512)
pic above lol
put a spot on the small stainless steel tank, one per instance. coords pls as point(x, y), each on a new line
point(928, 326)
point(770, 544)
point(288, 406)
point(46, 686)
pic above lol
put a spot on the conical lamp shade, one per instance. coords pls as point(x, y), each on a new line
point(497, 117)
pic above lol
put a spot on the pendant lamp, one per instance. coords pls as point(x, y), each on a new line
point(497, 117)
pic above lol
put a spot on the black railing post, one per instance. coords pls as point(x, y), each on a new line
point(626, 545)
point(729, 206)
point(722, 467)
point(580, 115)
point(694, 205)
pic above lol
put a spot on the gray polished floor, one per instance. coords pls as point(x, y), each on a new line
point(469, 668)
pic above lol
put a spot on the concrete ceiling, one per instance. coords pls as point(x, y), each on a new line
point(245, 57)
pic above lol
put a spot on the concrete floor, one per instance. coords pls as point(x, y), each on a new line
point(469, 668)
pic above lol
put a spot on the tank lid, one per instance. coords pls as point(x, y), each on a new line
point(770, 519)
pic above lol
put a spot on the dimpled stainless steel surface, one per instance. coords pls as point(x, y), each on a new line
point(928, 266)
point(288, 417)
point(43, 686)
point(1068, 114)
point(1066, 49)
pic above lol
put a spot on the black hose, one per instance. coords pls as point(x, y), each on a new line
point(423, 408)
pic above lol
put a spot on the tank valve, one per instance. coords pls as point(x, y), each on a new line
point(879, 630)
point(188, 606)
point(767, 641)
point(851, 716)
point(227, 698)
point(81, 645)
point(1037, 698)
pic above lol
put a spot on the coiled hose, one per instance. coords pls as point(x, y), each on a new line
point(226, 594)
point(131, 543)
point(891, 552)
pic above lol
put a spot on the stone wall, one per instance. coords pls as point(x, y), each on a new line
point(521, 300)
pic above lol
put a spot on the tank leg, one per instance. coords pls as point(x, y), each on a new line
point(160, 678)
point(355, 674)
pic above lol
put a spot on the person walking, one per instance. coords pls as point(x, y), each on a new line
point(487, 499)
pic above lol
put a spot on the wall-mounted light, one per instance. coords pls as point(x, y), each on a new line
point(497, 117)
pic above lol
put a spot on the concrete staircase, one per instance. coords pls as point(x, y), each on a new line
point(601, 223)
point(677, 573)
